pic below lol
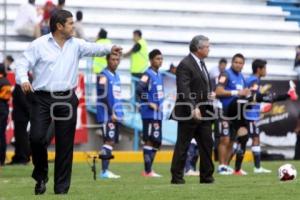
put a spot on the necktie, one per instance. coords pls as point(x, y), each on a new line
point(203, 68)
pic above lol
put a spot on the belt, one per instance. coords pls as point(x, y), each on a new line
point(56, 93)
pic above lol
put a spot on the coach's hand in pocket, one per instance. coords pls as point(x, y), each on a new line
point(26, 87)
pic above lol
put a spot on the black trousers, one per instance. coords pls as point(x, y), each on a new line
point(297, 148)
point(21, 117)
point(62, 109)
point(203, 135)
point(4, 110)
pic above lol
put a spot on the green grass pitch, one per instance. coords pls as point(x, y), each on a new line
point(16, 184)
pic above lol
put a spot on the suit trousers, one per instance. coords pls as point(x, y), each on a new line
point(203, 135)
point(62, 109)
point(20, 113)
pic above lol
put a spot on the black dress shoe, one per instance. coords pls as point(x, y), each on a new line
point(177, 181)
point(61, 192)
point(17, 163)
point(208, 180)
point(40, 187)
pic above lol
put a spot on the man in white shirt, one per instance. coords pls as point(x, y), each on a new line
point(53, 60)
point(28, 20)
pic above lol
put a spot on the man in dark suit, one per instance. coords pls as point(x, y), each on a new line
point(193, 110)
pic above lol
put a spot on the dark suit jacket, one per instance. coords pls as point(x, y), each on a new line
point(192, 88)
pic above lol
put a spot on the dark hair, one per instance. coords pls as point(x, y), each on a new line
point(61, 2)
point(238, 55)
point(102, 33)
point(59, 17)
point(108, 56)
point(138, 32)
point(258, 63)
point(10, 58)
point(79, 15)
point(223, 60)
point(31, 2)
point(154, 53)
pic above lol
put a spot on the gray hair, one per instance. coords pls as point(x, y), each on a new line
point(197, 42)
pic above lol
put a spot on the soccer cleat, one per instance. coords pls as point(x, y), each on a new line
point(265, 107)
point(109, 175)
point(230, 169)
point(261, 170)
point(224, 170)
point(192, 173)
point(293, 95)
point(240, 173)
point(292, 91)
point(151, 174)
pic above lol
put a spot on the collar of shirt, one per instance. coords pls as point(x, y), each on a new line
point(197, 61)
point(153, 71)
point(51, 38)
point(113, 74)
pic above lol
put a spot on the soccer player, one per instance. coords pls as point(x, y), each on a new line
point(231, 90)
point(109, 111)
point(150, 92)
point(252, 115)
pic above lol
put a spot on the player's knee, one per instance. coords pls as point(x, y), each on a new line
point(243, 140)
point(156, 144)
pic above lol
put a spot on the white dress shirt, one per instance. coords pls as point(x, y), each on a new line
point(55, 68)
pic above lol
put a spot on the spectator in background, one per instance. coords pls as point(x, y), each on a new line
point(5, 95)
point(28, 20)
point(138, 55)
point(7, 62)
point(60, 4)
point(297, 61)
point(49, 8)
point(79, 32)
point(217, 70)
point(99, 63)
point(172, 69)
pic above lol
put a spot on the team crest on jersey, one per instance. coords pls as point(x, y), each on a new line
point(225, 131)
point(156, 134)
point(111, 134)
point(156, 126)
point(111, 125)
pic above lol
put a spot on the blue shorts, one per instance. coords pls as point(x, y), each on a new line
point(152, 131)
point(230, 128)
point(111, 132)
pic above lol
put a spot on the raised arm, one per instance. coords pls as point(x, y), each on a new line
point(95, 49)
